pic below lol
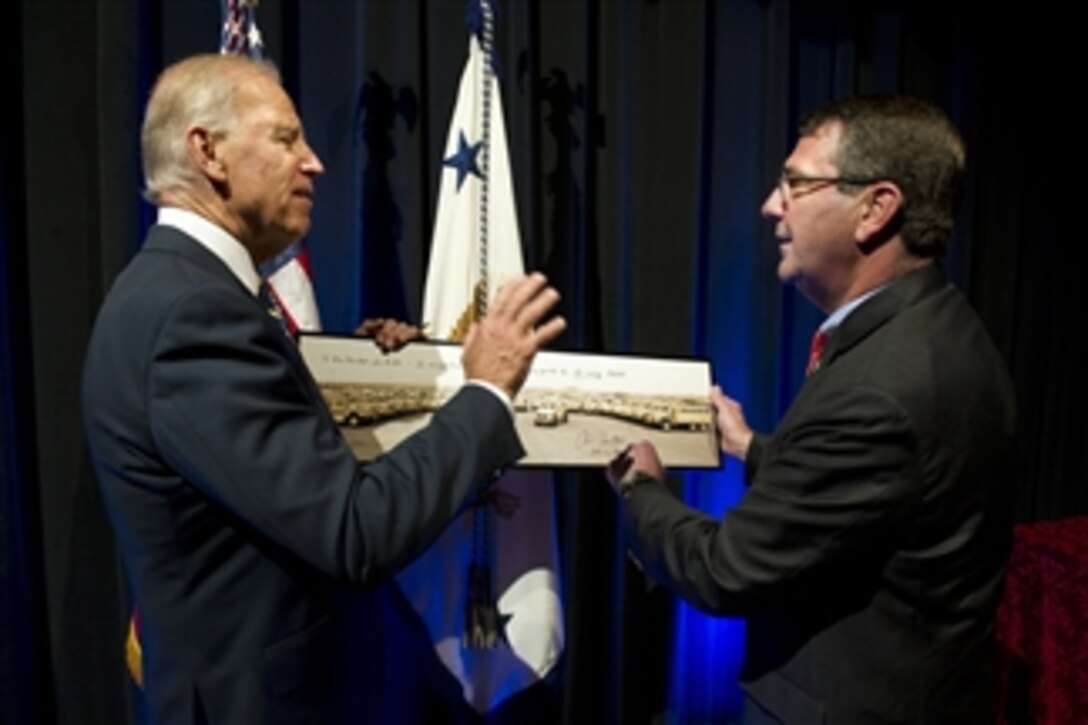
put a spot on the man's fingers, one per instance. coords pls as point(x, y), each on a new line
point(524, 303)
point(501, 348)
point(535, 308)
point(717, 397)
point(547, 332)
point(644, 459)
point(369, 327)
point(515, 294)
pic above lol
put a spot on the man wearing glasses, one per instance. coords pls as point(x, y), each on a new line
point(868, 553)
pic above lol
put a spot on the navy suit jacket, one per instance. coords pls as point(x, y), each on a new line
point(246, 525)
point(868, 553)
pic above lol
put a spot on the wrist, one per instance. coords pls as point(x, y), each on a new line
point(738, 447)
point(629, 483)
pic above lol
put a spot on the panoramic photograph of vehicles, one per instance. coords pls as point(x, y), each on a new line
point(575, 409)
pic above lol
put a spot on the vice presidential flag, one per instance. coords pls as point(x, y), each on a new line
point(504, 550)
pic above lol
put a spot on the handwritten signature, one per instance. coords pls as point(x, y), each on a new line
point(597, 443)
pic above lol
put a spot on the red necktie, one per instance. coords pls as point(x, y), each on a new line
point(815, 352)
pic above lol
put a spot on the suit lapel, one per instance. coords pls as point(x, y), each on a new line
point(165, 239)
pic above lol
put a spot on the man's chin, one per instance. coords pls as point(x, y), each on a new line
point(293, 232)
point(787, 273)
point(787, 267)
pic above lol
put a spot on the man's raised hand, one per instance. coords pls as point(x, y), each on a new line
point(499, 349)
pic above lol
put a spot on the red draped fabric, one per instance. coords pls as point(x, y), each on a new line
point(1041, 625)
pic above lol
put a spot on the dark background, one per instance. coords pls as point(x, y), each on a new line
point(643, 138)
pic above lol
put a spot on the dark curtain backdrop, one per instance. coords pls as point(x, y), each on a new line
point(644, 136)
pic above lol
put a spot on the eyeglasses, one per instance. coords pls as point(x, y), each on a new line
point(793, 186)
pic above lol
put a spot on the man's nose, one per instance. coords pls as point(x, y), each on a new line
point(311, 164)
point(774, 205)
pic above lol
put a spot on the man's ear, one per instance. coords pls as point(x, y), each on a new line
point(203, 152)
point(879, 213)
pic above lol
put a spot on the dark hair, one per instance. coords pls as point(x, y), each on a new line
point(910, 143)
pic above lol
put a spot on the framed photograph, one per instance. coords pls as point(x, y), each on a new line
point(576, 409)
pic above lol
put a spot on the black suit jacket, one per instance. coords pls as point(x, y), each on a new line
point(869, 551)
point(245, 523)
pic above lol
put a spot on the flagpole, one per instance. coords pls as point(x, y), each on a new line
point(486, 72)
point(481, 615)
point(499, 629)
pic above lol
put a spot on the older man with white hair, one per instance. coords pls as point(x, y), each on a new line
point(246, 526)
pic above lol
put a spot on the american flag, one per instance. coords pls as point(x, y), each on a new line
point(240, 33)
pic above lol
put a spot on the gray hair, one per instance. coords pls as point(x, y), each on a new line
point(198, 91)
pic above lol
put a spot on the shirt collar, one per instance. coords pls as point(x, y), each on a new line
point(216, 240)
point(835, 318)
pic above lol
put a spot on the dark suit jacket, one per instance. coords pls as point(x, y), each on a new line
point(869, 551)
point(245, 523)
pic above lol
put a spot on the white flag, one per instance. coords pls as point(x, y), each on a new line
point(453, 273)
point(520, 529)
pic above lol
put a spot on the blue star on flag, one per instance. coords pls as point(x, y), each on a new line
point(464, 160)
